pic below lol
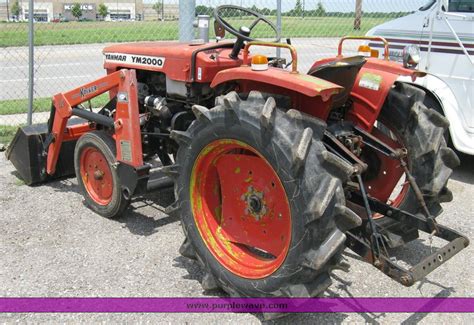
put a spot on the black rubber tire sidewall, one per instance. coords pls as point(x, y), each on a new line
point(314, 181)
point(243, 133)
point(430, 161)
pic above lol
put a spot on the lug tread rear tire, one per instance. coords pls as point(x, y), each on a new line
point(430, 160)
point(311, 177)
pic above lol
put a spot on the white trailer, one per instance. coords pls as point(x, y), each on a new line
point(444, 32)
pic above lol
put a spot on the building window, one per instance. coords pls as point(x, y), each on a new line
point(120, 14)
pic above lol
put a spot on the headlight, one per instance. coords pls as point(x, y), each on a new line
point(411, 56)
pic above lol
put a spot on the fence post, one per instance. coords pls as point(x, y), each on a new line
point(278, 50)
point(186, 20)
point(31, 61)
point(358, 15)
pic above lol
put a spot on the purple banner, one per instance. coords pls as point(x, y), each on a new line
point(236, 305)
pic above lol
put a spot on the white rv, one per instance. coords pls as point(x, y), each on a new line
point(444, 32)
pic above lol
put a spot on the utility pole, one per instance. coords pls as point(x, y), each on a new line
point(162, 10)
point(8, 13)
point(278, 50)
point(358, 15)
point(31, 60)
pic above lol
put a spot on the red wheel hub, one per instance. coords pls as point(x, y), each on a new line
point(240, 208)
point(96, 175)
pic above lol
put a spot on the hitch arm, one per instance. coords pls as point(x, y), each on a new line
point(407, 277)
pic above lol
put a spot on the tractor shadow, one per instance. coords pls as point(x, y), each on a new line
point(194, 273)
point(465, 172)
point(302, 318)
point(146, 214)
point(378, 318)
point(64, 184)
point(413, 252)
point(342, 288)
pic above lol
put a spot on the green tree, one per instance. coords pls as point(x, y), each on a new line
point(255, 8)
point(203, 10)
point(266, 12)
point(15, 9)
point(320, 10)
point(103, 10)
point(158, 7)
point(298, 11)
point(76, 10)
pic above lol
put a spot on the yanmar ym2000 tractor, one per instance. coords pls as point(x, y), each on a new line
point(274, 171)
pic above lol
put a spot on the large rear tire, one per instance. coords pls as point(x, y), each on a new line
point(421, 131)
point(260, 199)
point(94, 160)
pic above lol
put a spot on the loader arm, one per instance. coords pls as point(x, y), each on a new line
point(125, 123)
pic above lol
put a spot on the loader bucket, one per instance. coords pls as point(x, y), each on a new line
point(26, 154)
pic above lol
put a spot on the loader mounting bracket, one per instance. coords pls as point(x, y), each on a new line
point(407, 277)
point(133, 179)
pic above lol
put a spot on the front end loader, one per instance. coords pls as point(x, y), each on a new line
point(274, 171)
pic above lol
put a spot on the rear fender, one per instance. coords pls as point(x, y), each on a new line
point(309, 94)
point(371, 88)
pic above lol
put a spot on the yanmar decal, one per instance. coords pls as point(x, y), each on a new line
point(149, 61)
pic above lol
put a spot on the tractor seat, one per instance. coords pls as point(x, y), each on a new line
point(342, 72)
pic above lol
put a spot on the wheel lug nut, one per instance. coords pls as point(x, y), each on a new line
point(98, 175)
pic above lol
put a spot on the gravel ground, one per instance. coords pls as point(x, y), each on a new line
point(52, 245)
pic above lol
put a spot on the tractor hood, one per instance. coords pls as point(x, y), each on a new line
point(156, 49)
point(174, 59)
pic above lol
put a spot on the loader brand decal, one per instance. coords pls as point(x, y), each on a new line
point(86, 91)
point(370, 81)
point(150, 61)
point(126, 150)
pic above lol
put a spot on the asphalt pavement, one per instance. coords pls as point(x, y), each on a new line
point(51, 245)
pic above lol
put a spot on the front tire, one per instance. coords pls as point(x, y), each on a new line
point(94, 160)
point(260, 199)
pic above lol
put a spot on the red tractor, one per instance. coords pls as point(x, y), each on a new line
point(275, 171)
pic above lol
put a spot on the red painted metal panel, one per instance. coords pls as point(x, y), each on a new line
point(302, 83)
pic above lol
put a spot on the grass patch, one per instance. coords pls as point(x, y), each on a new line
point(19, 182)
point(16, 34)
point(20, 106)
point(7, 132)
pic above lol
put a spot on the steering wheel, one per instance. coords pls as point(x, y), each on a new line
point(244, 32)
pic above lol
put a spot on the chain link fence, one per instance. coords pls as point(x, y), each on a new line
point(69, 36)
